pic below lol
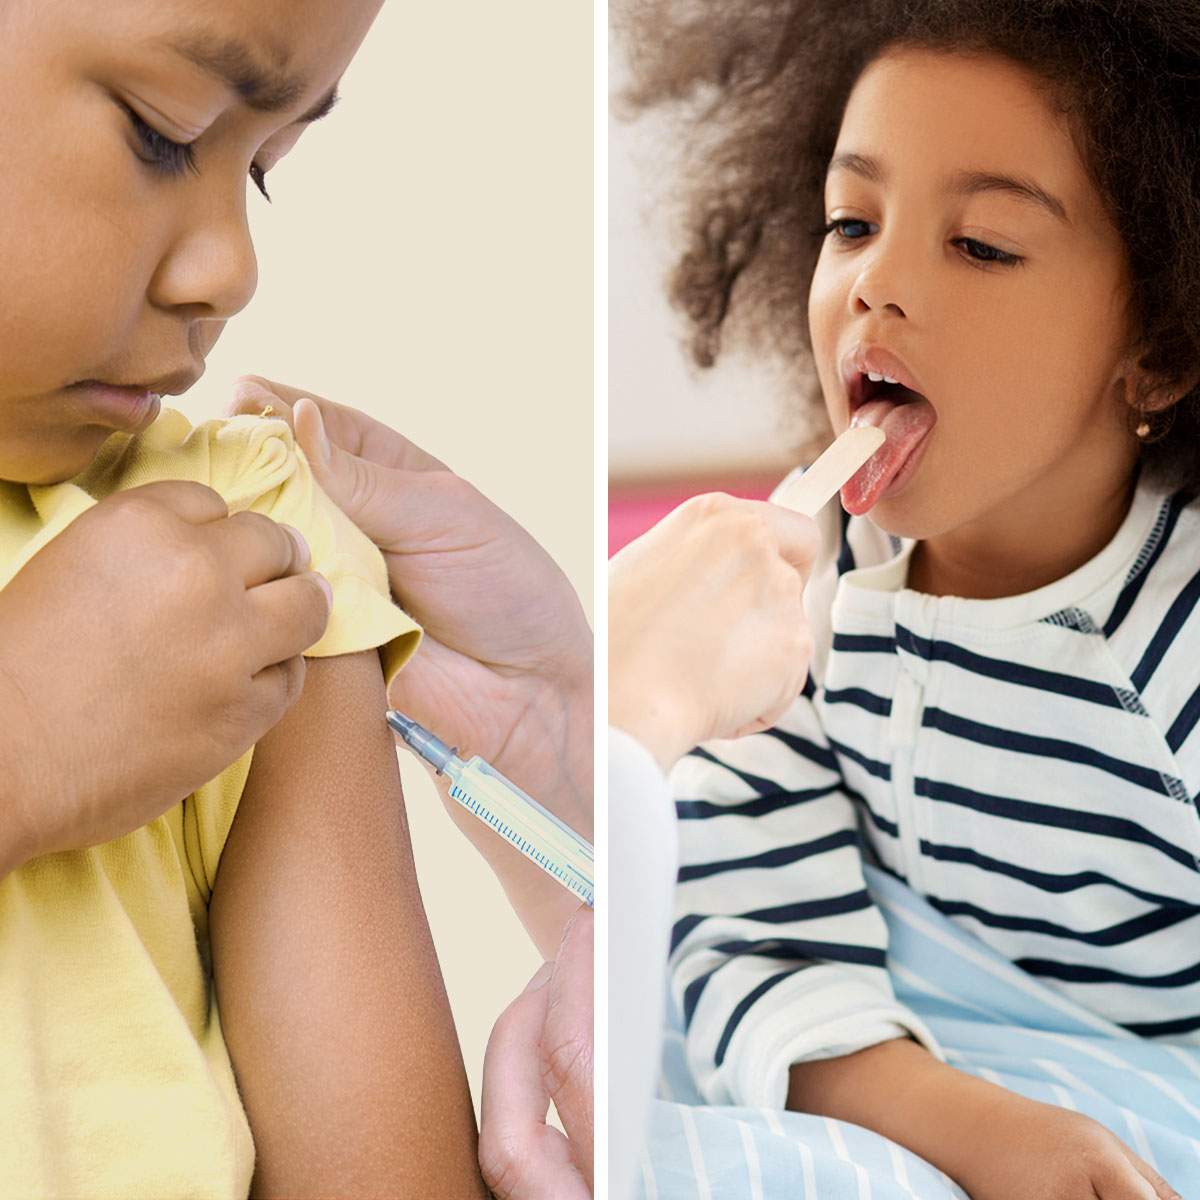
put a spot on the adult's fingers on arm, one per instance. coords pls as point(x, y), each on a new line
point(521, 1157)
point(567, 1042)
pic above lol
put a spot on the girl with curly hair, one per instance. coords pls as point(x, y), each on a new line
point(976, 225)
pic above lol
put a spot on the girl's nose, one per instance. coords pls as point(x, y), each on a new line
point(885, 279)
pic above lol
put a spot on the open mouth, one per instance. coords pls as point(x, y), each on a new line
point(867, 387)
point(905, 417)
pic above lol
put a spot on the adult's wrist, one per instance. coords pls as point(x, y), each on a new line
point(652, 715)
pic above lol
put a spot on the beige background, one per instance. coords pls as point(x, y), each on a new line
point(427, 257)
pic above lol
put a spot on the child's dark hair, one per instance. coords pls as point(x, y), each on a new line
point(763, 85)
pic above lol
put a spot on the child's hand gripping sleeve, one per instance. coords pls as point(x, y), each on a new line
point(256, 464)
point(778, 954)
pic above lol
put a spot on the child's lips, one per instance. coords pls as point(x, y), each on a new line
point(121, 407)
point(865, 358)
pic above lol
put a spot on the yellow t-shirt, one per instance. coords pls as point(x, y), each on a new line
point(114, 1078)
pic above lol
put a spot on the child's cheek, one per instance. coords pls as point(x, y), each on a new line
point(823, 332)
point(75, 251)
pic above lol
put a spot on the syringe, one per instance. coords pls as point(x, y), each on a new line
point(513, 814)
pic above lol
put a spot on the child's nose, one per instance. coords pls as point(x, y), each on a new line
point(210, 260)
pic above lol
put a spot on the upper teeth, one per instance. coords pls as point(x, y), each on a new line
point(876, 378)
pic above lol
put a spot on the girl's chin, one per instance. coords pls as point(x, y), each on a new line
point(908, 514)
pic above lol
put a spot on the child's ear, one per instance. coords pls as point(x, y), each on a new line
point(1166, 395)
point(1162, 393)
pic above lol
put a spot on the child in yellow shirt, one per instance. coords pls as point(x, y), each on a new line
point(216, 973)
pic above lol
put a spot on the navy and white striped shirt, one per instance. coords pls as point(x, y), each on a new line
point(1030, 764)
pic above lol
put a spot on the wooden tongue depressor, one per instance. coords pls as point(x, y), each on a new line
point(816, 487)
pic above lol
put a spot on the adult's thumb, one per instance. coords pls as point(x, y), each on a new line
point(386, 503)
point(309, 428)
point(344, 477)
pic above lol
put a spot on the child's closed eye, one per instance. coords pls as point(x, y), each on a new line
point(990, 253)
point(174, 157)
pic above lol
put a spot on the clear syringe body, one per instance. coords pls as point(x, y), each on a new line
point(512, 813)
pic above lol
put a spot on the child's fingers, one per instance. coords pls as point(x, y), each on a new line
point(1162, 1189)
point(263, 549)
point(195, 502)
point(1119, 1179)
point(287, 617)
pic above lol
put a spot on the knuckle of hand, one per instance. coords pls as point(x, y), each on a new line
point(271, 702)
point(259, 523)
point(504, 1163)
point(316, 609)
point(567, 1063)
point(803, 645)
point(706, 505)
point(447, 482)
point(293, 680)
point(1098, 1152)
point(134, 509)
point(759, 538)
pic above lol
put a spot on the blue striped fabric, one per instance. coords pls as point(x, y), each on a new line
point(993, 1021)
point(1027, 764)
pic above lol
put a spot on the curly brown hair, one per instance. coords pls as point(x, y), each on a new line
point(760, 87)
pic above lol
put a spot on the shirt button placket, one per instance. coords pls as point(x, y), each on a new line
point(908, 704)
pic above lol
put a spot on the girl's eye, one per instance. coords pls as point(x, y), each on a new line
point(175, 157)
point(989, 254)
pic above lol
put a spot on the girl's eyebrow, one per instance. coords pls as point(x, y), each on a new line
point(964, 183)
point(262, 88)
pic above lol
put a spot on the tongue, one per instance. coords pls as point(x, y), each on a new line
point(905, 419)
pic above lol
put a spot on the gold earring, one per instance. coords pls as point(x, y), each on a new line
point(266, 412)
point(1143, 430)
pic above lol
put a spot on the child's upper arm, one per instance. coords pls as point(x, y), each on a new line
point(330, 996)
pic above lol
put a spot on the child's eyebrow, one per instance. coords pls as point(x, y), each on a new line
point(260, 87)
point(964, 183)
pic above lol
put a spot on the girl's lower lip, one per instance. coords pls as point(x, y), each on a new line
point(126, 406)
point(910, 465)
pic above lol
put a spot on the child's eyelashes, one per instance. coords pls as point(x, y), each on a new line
point(989, 253)
point(176, 157)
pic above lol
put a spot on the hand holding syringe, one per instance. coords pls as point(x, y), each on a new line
point(513, 814)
